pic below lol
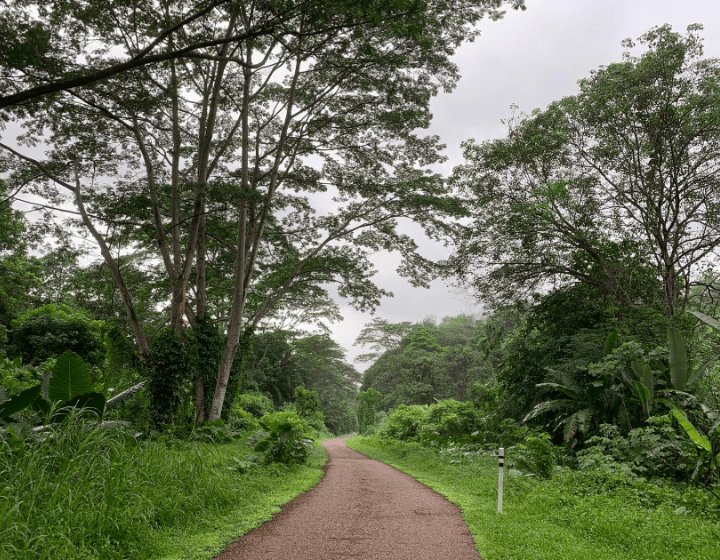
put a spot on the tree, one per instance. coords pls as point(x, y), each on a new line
point(50, 330)
point(204, 160)
point(39, 58)
point(615, 187)
point(430, 362)
point(381, 336)
point(16, 269)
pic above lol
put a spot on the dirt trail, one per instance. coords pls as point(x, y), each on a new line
point(361, 509)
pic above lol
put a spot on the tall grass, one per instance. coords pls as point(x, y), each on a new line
point(84, 490)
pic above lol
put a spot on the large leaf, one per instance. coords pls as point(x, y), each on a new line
point(547, 406)
point(70, 378)
point(562, 388)
point(94, 402)
point(578, 422)
point(611, 342)
point(678, 359)
point(19, 402)
point(698, 439)
point(706, 319)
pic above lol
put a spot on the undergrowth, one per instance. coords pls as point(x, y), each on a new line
point(84, 491)
point(571, 515)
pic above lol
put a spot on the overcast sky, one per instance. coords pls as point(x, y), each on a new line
point(530, 59)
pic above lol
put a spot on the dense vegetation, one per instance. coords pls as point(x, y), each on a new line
point(593, 244)
point(151, 397)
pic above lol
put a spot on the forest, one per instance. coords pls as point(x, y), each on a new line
point(186, 188)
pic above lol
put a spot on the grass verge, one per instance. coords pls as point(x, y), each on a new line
point(87, 492)
point(573, 516)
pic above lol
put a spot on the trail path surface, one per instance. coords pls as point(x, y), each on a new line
point(361, 509)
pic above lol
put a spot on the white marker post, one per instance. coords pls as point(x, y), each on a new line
point(501, 456)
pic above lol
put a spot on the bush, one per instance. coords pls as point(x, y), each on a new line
point(285, 440)
point(240, 419)
point(405, 422)
point(15, 378)
point(655, 451)
point(256, 404)
point(50, 330)
point(309, 407)
point(450, 419)
point(536, 455)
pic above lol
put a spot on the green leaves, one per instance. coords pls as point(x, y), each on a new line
point(19, 402)
point(69, 386)
point(701, 441)
point(70, 378)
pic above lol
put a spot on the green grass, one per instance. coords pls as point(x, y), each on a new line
point(583, 516)
point(94, 493)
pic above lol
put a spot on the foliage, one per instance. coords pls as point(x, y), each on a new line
point(69, 386)
point(653, 451)
point(214, 432)
point(50, 330)
point(256, 404)
point(97, 491)
point(368, 402)
point(450, 419)
point(309, 407)
point(573, 193)
point(282, 361)
point(573, 515)
point(169, 371)
point(430, 362)
point(123, 365)
point(14, 377)
point(405, 422)
point(536, 454)
point(286, 440)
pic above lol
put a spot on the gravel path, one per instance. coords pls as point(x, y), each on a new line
point(361, 509)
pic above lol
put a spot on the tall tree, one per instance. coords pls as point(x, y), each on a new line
point(219, 153)
point(616, 187)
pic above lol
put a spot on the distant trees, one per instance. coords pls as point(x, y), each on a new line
point(431, 362)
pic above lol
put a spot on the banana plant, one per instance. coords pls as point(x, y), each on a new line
point(581, 404)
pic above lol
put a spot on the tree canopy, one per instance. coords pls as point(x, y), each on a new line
point(615, 187)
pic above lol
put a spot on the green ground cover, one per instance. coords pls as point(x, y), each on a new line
point(573, 515)
point(86, 492)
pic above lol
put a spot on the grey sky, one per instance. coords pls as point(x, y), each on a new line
point(530, 59)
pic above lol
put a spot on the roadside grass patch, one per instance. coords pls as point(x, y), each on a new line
point(571, 516)
point(86, 492)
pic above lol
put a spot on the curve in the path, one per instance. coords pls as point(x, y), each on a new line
point(361, 509)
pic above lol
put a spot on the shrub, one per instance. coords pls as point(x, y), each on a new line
point(450, 419)
point(240, 419)
point(405, 422)
point(50, 330)
point(536, 455)
point(309, 407)
point(286, 438)
point(654, 451)
point(255, 404)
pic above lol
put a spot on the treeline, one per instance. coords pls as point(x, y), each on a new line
point(611, 391)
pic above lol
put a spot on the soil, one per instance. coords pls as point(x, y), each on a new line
point(361, 509)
